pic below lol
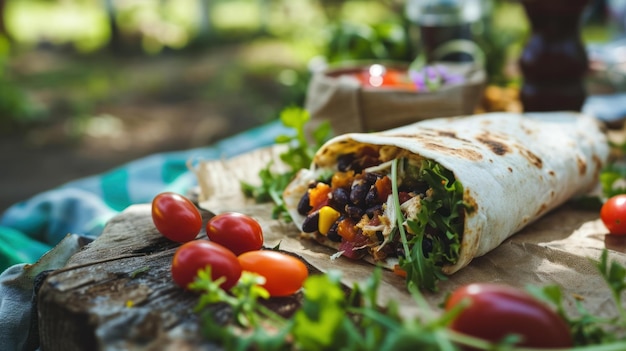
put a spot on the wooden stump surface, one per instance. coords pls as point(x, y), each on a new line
point(117, 294)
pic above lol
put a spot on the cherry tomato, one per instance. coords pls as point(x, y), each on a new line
point(236, 231)
point(176, 217)
point(284, 274)
point(613, 214)
point(195, 255)
point(497, 310)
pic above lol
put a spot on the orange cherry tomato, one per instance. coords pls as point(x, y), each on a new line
point(195, 255)
point(613, 214)
point(236, 231)
point(284, 274)
point(176, 217)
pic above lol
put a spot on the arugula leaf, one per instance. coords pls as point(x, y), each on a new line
point(298, 155)
point(243, 301)
point(448, 204)
point(615, 276)
point(246, 310)
point(270, 190)
point(613, 175)
point(610, 178)
point(423, 269)
point(443, 210)
point(318, 322)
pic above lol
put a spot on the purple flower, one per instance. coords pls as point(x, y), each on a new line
point(433, 77)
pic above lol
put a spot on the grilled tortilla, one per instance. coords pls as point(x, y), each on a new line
point(462, 185)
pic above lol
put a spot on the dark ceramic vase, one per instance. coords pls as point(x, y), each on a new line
point(554, 60)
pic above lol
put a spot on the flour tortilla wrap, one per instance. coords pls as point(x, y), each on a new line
point(513, 168)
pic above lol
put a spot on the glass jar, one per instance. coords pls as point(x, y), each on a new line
point(440, 21)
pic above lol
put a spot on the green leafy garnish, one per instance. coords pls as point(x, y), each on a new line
point(247, 312)
point(613, 180)
point(615, 276)
point(443, 211)
point(298, 155)
point(244, 298)
point(301, 152)
point(613, 175)
point(328, 319)
point(332, 319)
point(420, 271)
point(317, 325)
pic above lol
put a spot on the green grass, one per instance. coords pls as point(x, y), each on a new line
point(30, 22)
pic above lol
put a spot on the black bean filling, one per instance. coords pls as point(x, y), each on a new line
point(358, 199)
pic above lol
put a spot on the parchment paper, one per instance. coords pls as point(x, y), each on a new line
point(555, 250)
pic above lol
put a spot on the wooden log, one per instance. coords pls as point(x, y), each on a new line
point(117, 293)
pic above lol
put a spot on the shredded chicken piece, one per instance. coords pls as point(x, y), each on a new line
point(412, 208)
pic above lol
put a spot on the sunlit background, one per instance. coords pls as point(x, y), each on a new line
point(86, 85)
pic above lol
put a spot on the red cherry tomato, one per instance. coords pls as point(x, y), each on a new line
point(613, 214)
point(176, 217)
point(236, 231)
point(284, 274)
point(198, 254)
point(497, 310)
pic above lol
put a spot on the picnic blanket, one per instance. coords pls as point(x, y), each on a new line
point(68, 216)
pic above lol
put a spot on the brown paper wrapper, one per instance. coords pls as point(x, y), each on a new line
point(348, 106)
point(558, 249)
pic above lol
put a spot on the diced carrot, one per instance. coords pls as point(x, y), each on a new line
point(383, 188)
point(346, 229)
point(318, 196)
point(399, 271)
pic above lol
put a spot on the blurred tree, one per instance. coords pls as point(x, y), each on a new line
point(115, 36)
point(205, 26)
point(377, 39)
point(3, 27)
point(16, 109)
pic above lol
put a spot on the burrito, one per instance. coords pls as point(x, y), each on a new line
point(427, 198)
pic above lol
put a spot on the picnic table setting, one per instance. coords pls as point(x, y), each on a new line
point(404, 205)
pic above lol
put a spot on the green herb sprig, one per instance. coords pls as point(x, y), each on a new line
point(424, 269)
point(613, 175)
point(298, 155)
point(330, 319)
point(613, 180)
point(421, 270)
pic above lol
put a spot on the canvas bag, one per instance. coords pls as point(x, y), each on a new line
point(348, 106)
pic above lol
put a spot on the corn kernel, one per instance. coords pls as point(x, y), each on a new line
point(328, 216)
